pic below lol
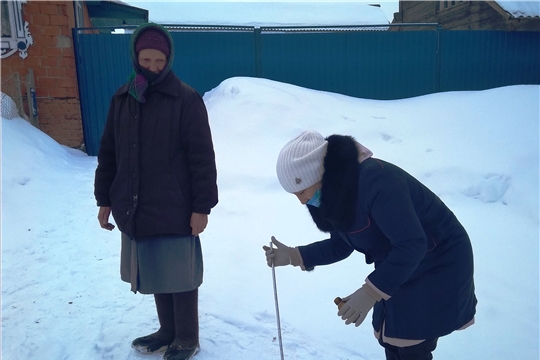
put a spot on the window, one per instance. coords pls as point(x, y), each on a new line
point(15, 34)
point(447, 4)
point(79, 14)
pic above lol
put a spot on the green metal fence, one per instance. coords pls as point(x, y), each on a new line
point(381, 65)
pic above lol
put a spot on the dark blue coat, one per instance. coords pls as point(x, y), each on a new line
point(422, 254)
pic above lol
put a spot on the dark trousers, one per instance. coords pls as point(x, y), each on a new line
point(421, 351)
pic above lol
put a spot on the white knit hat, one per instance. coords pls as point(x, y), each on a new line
point(300, 162)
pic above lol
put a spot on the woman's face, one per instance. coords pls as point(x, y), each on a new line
point(152, 60)
point(308, 193)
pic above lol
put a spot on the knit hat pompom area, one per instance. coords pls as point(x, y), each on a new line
point(153, 39)
point(300, 163)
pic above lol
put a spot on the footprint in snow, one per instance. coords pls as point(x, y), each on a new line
point(490, 189)
point(391, 139)
point(264, 317)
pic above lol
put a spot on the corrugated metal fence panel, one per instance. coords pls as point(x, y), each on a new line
point(366, 64)
point(391, 65)
point(103, 66)
point(312, 60)
point(204, 59)
point(479, 60)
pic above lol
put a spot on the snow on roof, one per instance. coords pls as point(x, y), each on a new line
point(521, 8)
point(264, 14)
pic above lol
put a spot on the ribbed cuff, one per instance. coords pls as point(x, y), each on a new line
point(296, 258)
point(379, 294)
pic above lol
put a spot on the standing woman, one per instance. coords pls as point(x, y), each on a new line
point(422, 286)
point(156, 173)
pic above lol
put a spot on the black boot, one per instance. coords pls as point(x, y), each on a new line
point(186, 321)
point(161, 339)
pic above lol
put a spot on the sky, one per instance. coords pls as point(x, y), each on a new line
point(62, 297)
point(268, 13)
point(291, 13)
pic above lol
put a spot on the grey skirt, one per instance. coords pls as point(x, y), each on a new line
point(161, 264)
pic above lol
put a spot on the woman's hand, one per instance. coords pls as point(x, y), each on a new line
point(103, 218)
point(198, 223)
point(282, 254)
point(355, 307)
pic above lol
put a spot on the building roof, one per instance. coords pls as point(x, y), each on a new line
point(114, 12)
point(520, 9)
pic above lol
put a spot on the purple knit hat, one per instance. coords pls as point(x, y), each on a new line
point(153, 39)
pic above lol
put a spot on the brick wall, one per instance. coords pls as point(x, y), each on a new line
point(52, 59)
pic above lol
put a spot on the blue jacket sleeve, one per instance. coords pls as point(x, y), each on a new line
point(325, 252)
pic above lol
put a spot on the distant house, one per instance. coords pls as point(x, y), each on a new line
point(471, 15)
point(38, 59)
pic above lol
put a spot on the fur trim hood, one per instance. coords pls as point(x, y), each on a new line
point(339, 191)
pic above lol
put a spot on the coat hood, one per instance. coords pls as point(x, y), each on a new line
point(339, 189)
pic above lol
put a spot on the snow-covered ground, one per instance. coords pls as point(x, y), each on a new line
point(62, 297)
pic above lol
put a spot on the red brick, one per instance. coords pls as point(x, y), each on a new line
point(22, 74)
point(63, 8)
point(51, 62)
point(47, 119)
point(48, 41)
point(63, 133)
point(73, 110)
point(45, 82)
point(35, 51)
point(41, 92)
point(58, 92)
point(67, 62)
point(32, 61)
point(51, 30)
point(48, 9)
point(52, 106)
point(55, 113)
point(70, 72)
point(37, 31)
point(31, 7)
point(40, 20)
point(56, 72)
point(40, 72)
point(65, 31)
point(53, 52)
point(69, 53)
point(73, 92)
point(59, 20)
point(66, 82)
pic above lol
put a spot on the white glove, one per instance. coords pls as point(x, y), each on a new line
point(282, 254)
point(356, 306)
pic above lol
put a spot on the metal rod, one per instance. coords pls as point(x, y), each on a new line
point(277, 305)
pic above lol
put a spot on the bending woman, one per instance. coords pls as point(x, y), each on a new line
point(422, 286)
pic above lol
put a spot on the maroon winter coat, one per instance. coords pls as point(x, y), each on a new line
point(156, 162)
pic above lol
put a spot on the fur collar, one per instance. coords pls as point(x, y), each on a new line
point(339, 189)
